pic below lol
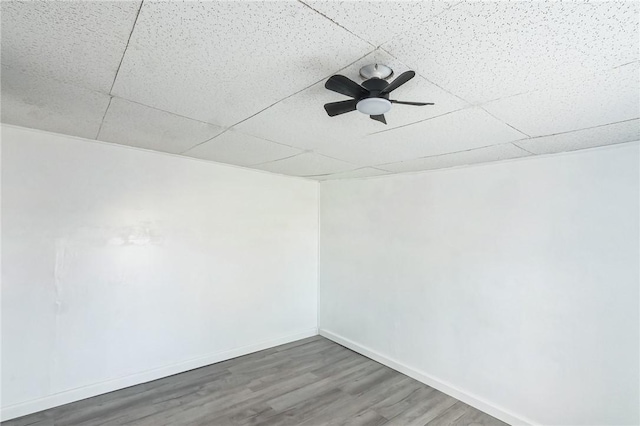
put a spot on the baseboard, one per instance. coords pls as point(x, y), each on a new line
point(476, 402)
point(33, 406)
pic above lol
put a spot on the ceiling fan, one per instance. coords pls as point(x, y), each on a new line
point(372, 97)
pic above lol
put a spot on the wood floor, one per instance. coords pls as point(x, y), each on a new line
point(309, 382)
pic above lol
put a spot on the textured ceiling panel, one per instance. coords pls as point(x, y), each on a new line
point(479, 155)
point(47, 104)
point(307, 164)
point(352, 174)
point(612, 96)
point(626, 131)
point(238, 148)
point(221, 62)
point(488, 50)
point(458, 131)
point(308, 126)
point(133, 124)
point(243, 82)
point(78, 42)
point(379, 21)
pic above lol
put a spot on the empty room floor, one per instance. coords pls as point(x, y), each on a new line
point(308, 382)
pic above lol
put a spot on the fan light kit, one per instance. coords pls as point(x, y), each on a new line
point(372, 97)
point(373, 106)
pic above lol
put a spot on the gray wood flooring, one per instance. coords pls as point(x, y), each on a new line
point(309, 382)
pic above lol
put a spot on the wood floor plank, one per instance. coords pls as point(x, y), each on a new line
point(262, 396)
point(349, 360)
point(307, 409)
point(43, 418)
point(461, 414)
point(400, 402)
point(366, 418)
point(253, 413)
point(359, 403)
point(424, 410)
point(297, 396)
point(366, 382)
point(310, 382)
point(150, 401)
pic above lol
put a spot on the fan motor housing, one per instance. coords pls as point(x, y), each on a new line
point(376, 71)
point(375, 86)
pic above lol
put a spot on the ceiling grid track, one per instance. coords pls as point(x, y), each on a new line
point(417, 122)
point(335, 23)
point(448, 153)
point(124, 52)
point(103, 117)
point(133, 27)
point(518, 146)
point(504, 122)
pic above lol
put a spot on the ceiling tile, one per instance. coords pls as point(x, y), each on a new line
point(379, 21)
point(611, 97)
point(307, 164)
point(457, 131)
point(352, 174)
point(479, 155)
point(483, 51)
point(78, 42)
point(238, 148)
point(129, 123)
point(626, 131)
point(302, 121)
point(221, 62)
point(47, 104)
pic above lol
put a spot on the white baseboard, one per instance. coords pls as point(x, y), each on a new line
point(33, 406)
point(476, 402)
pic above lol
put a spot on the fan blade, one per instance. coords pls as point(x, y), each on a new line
point(337, 108)
point(379, 118)
point(402, 79)
point(411, 103)
point(344, 86)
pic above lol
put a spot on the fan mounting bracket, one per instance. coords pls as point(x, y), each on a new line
point(376, 71)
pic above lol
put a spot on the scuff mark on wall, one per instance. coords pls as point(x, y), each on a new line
point(138, 235)
point(61, 253)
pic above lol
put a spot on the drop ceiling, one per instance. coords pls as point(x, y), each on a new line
point(243, 82)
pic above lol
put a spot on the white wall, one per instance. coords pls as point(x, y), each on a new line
point(121, 265)
point(514, 286)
